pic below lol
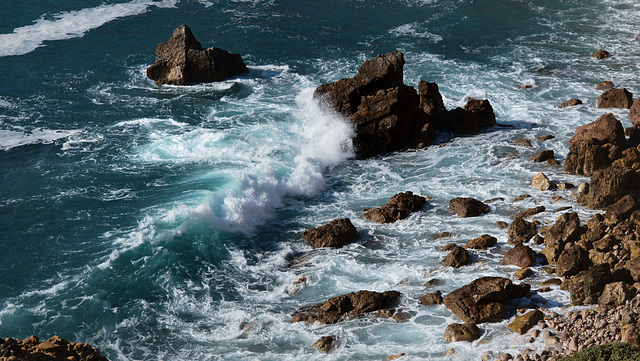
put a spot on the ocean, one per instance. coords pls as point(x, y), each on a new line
point(165, 222)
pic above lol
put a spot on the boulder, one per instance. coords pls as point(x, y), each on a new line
point(519, 290)
point(520, 255)
point(386, 113)
point(571, 103)
point(529, 212)
point(590, 157)
point(399, 207)
point(350, 305)
point(325, 344)
point(616, 98)
point(523, 273)
point(609, 185)
point(571, 261)
point(622, 209)
point(336, 233)
point(587, 286)
point(53, 349)
point(542, 156)
point(183, 61)
point(601, 54)
point(541, 182)
point(483, 242)
point(521, 230)
point(434, 298)
point(634, 268)
point(524, 323)
point(566, 229)
point(462, 332)
point(483, 300)
point(477, 114)
point(467, 207)
point(634, 113)
point(457, 258)
point(604, 85)
point(605, 129)
point(614, 295)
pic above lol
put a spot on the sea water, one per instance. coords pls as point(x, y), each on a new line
point(165, 222)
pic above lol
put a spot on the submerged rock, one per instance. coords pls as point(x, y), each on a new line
point(336, 233)
point(399, 207)
point(183, 61)
point(601, 54)
point(325, 344)
point(350, 305)
point(53, 349)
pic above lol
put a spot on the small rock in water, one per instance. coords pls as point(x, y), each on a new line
point(541, 182)
point(571, 103)
point(522, 142)
point(467, 207)
point(601, 54)
point(604, 85)
point(336, 233)
point(395, 357)
point(325, 344)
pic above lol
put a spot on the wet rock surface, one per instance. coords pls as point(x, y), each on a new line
point(467, 207)
point(483, 300)
point(399, 207)
point(53, 349)
point(336, 233)
point(350, 305)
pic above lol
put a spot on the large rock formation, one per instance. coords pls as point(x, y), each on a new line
point(336, 233)
point(350, 305)
point(483, 300)
point(183, 61)
point(467, 207)
point(477, 114)
point(615, 98)
point(399, 207)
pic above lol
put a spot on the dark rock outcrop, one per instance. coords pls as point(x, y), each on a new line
point(457, 258)
point(336, 233)
point(399, 207)
point(571, 261)
point(615, 98)
point(609, 186)
point(521, 230)
point(571, 103)
point(634, 113)
point(622, 209)
point(605, 129)
point(601, 54)
point(520, 255)
point(543, 156)
point(604, 85)
point(350, 305)
point(566, 229)
point(483, 300)
point(477, 114)
point(467, 207)
point(462, 332)
point(587, 286)
point(183, 61)
point(434, 298)
point(483, 242)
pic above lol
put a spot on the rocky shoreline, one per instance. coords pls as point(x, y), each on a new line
point(53, 349)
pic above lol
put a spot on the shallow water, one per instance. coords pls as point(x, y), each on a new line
point(165, 222)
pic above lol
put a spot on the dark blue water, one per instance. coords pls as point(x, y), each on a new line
point(160, 222)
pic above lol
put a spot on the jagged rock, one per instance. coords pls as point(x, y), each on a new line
point(634, 113)
point(543, 156)
point(477, 114)
point(524, 323)
point(605, 129)
point(399, 207)
point(601, 54)
point(520, 255)
point(519, 290)
point(183, 61)
point(521, 230)
point(336, 233)
point(587, 286)
point(614, 295)
point(616, 98)
point(541, 182)
point(430, 98)
point(350, 305)
point(634, 268)
point(522, 142)
point(566, 229)
point(589, 157)
point(467, 207)
point(622, 209)
point(386, 113)
point(325, 344)
point(529, 212)
point(483, 242)
point(571, 261)
point(523, 273)
point(429, 299)
point(457, 258)
point(483, 300)
point(604, 85)
point(609, 185)
point(462, 332)
point(53, 349)
point(571, 103)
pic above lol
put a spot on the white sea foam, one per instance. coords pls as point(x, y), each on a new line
point(11, 138)
point(71, 24)
point(414, 30)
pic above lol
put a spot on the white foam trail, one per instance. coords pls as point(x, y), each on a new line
point(11, 139)
point(71, 24)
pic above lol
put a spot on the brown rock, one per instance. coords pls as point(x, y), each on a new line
point(429, 299)
point(571, 103)
point(336, 233)
point(462, 332)
point(604, 85)
point(634, 113)
point(483, 242)
point(523, 273)
point(614, 295)
point(543, 156)
point(445, 235)
point(601, 54)
point(467, 207)
point(325, 344)
point(521, 230)
point(399, 207)
point(350, 305)
point(524, 323)
point(395, 357)
point(609, 186)
point(457, 258)
point(523, 142)
point(483, 300)
point(590, 157)
point(634, 268)
point(520, 255)
point(543, 138)
point(586, 286)
point(622, 209)
point(571, 261)
point(529, 212)
point(566, 229)
point(631, 334)
point(183, 61)
point(430, 98)
point(615, 98)
point(541, 182)
point(476, 115)
point(605, 129)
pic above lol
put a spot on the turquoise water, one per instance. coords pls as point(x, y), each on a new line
point(165, 222)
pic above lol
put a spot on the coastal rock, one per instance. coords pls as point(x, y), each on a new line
point(609, 185)
point(529, 212)
point(605, 129)
point(523, 273)
point(483, 300)
point(521, 230)
point(434, 298)
point(566, 229)
point(386, 113)
point(614, 295)
point(336, 233)
point(604, 85)
point(633, 266)
point(571, 103)
point(477, 114)
point(430, 98)
point(350, 305)
point(601, 54)
point(520, 255)
point(541, 182)
point(590, 157)
point(53, 349)
point(462, 332)
point(524, 323)
point(634, 113)
point(622, 209)
point(542, 156)
point(571, 261)
point(399, 207)
point(325, 344)
point(483, 242)
point(587, 286)
point(457, 258)
point(616, 98)
point(183, 61)
point(467, 207)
